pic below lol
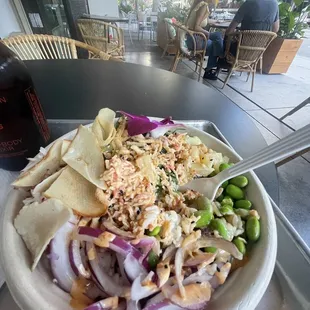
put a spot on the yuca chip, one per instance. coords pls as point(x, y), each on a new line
point(38, 223)
point(84, 156)
point(76, 193)
point(103, 127)
point(64, 149)
point(48, 165)
point(38, 191)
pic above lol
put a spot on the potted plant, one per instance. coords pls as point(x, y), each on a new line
point(168, 9)
point(282, 51)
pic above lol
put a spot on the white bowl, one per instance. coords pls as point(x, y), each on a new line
point(243, 289)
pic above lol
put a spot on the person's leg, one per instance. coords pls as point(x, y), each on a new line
point(214, 50)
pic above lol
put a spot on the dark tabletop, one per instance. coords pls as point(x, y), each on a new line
point(78, 89)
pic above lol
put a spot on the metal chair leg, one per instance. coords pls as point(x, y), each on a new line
point(301, 105)
point(228, 77)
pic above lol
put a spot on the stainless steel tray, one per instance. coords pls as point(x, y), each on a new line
point(289, 288)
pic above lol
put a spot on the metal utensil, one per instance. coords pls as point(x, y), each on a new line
point(293, 143)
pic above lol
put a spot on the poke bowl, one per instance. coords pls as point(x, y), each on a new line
point(97, 220)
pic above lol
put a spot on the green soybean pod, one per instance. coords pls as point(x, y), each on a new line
point(240, 245)
point(234, 192)
point(203, 203)
point(153, 232)
point(227, 201)
point(210, 249)
point(153, 259)
point(223, 166)
point(205, 218)
point(219, 225)
point(240, 181)
point(226, 210)
point(243, 204)
point(252, 228)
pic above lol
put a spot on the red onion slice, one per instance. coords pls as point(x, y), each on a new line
point(120, 260)
point(163, 305)
point(104, 304)
point(117, 244)
point(108, 284)
point(76, 259)
point(133, 268)
point(220, 244)
point(61, 268)
point(139, 291)
point(115, 230)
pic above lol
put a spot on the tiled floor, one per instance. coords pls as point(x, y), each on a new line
point(273, 96)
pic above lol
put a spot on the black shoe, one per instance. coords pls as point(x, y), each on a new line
point(210, 75)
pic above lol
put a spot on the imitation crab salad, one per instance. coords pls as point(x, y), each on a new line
point(105, 211)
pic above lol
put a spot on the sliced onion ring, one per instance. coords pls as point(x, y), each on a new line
point(76, 259)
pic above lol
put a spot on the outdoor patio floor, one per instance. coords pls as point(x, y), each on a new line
point(273, 96)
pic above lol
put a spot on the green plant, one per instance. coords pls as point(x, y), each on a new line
point(174, 10)
point(125, 7)
point(293, 19)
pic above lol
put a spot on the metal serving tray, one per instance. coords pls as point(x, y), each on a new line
point(289, 288)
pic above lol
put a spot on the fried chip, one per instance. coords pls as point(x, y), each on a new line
point(84, 156)
point(103, 127)
point(48, 165)
point(38, 223)
point(76, 193)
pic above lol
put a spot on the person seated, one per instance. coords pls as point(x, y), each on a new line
point(197, 21)
point(254, 15)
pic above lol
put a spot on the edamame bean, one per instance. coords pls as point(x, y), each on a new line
point(234, 192)
point(203, 203)
point(153, 232)
point(224, 185)
point(210, 249)
point(153, 259)
point(220, 198)
point(205, 218)
point(223, 166)
point(240, 181)
point(240, 245)
point(227, 201)
point(226, 210)
point(243, 204)
point(252, 228)
point(218, 224)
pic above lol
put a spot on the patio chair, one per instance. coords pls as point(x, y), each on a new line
point(170, 35)
point(251, 44)
point(182, 50)
point(37, 46)
point(104, 36)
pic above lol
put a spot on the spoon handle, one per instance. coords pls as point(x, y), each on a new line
point(296, 141)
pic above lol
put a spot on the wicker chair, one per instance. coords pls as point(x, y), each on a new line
point(37, 46)
point(183, 52)
point(104, 36)
point(170, 36)
point(251, 45)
